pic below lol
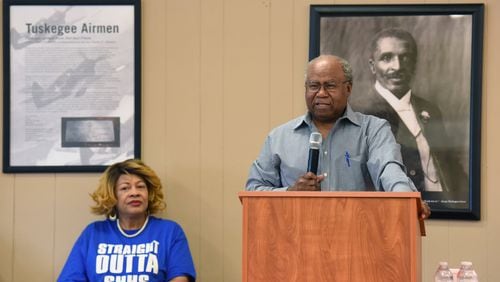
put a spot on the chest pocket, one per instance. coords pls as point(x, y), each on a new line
point(351, 174)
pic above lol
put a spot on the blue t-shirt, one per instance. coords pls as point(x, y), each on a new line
point(101, 253)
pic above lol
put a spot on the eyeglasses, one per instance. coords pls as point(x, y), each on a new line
point(329, 86)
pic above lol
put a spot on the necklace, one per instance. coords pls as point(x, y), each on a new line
point(136, 233)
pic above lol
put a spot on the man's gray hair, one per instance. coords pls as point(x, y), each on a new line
point(346, 67)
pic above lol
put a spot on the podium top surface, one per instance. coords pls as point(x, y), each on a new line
point(328, 194)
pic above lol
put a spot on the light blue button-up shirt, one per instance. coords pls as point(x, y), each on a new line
point(359, 154)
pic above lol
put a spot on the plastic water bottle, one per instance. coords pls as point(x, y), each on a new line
point(467, 273)
point(443, 273)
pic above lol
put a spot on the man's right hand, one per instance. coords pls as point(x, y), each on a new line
point(308, 182)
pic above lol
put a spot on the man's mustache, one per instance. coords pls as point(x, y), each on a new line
point(398, 75)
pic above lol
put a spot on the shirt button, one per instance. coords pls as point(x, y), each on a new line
point(413, 172)
point(325, 174)
point(326, 153)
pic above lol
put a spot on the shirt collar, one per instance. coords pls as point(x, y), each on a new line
point(350, 115)
point(398, 104)
point(306, 119)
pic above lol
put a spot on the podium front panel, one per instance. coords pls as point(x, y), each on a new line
point(330, 238)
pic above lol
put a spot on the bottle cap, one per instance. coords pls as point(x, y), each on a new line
point(443, 263)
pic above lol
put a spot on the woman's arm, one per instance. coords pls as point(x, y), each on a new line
point(180, 279)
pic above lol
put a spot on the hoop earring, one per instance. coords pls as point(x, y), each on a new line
point(112, 216)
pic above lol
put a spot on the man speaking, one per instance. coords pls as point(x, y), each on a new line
point(357, 152)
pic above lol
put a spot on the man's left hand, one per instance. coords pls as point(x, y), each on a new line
point(426, 210)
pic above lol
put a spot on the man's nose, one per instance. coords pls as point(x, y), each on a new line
point(322, 90)
point(395, 63)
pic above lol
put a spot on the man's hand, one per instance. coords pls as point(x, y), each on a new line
point(308, 182)
point(426, 210)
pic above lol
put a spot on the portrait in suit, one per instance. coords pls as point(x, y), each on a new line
point(416, 122)
point(432, 99)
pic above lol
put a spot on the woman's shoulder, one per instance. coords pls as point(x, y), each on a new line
point(163, 222)
point(167, 227)
point(98, 225)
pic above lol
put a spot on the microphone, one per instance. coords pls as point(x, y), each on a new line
point(314, 145)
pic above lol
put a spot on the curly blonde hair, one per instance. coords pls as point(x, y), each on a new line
point(105, 196)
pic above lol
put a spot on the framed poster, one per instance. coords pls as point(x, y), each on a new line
point(420, 68)
point(71, 84)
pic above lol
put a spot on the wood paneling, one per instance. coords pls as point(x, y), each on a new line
point(182, 121)
point(34, 227)
point(210, 266)
point(7, 227)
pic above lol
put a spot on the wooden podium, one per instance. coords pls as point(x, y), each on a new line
point(331, 236)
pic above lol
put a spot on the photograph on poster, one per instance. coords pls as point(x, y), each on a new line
point(71, 66)
point(418, 67)
point(90, 132)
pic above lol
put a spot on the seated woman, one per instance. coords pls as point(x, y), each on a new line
point(130, 244)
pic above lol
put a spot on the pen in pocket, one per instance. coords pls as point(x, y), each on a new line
point(347, 159)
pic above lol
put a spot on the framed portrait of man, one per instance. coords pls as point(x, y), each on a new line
point(420, 68)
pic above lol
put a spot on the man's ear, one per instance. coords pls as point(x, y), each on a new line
point(371, 63)
point(349, 88)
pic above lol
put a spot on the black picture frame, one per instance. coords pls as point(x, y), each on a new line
point(441, 31)
point(71, 65)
